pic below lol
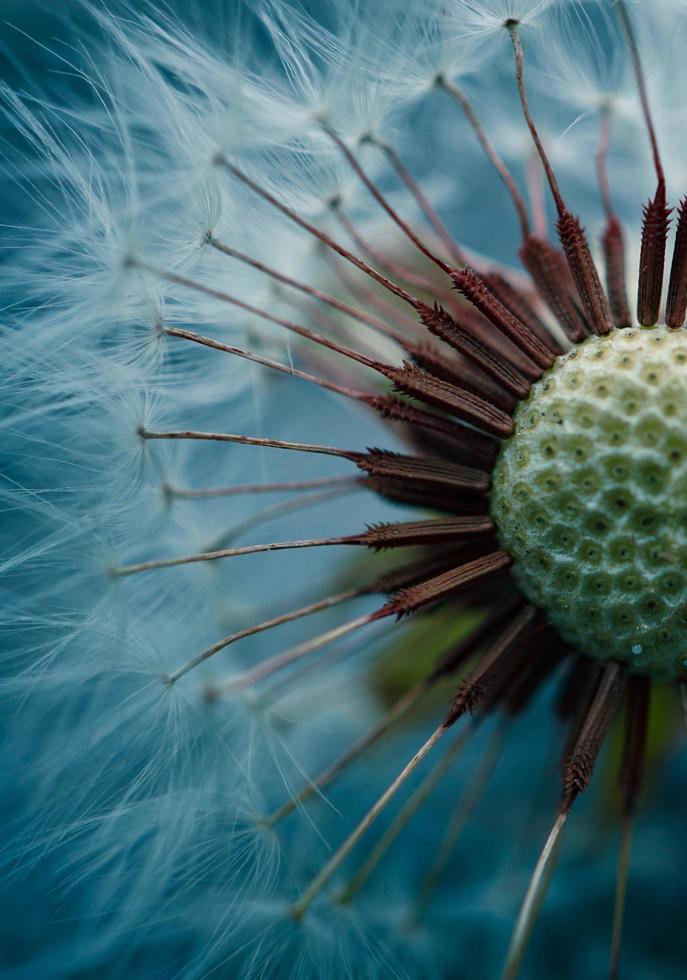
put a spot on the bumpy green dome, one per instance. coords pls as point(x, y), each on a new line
point(590, 497)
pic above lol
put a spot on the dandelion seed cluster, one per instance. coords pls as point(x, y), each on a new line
point(590, 497)
point(332, 262)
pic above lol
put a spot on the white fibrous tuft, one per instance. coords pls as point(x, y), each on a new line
point(486, 17)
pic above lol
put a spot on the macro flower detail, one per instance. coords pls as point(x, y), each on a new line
point(214, 243)
point(588, 497)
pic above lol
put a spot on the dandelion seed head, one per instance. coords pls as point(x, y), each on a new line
point(272, 371)
point(597, 536)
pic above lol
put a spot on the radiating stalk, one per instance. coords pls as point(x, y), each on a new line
point(460, 818)
point(323, 877)
point(407, 812)
point(534, 898)
point(620, 894)
point(226, 641)
point(284, 659)
point(367, 740)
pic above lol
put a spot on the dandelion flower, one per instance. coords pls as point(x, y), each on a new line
point(264, 261)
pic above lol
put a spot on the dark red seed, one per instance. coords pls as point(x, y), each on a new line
point(550, 273)
point(456, 335)
point(446, 584)
point(652, 258)
point(430, 531)
point(614, 256)
point(576, 248)
point(519, 305)
point(676, 306)
point(506, 652)
point(592, 733)
point(470, 285)
point(450, 398)
point(431, 473)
